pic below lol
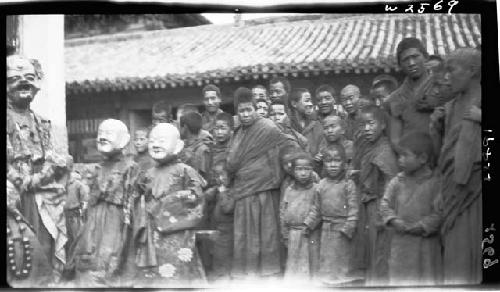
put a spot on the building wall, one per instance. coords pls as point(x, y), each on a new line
point(42, 37)
point(134, 107)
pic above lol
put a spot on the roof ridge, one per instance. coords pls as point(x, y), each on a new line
point(325, 18)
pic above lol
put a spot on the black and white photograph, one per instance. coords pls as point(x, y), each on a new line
point(211, 149)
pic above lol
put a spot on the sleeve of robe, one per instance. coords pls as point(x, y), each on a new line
point(387, 203)
point(226, 202)
point(432, 222)
point(352, 209)
point(314, 217)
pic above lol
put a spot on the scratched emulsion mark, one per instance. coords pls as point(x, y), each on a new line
point(431, 6)
point(489, 237)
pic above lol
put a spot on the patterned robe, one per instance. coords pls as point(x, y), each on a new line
point(166, 245)
point(303, 252)
point(101, 247)
point(414, 260)
point(41, 270)
point(336, 206)
point(28, 144)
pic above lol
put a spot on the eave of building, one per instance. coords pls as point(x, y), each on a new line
point(194, 56)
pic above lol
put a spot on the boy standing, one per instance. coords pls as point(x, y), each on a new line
point(378, 166)
point(336, 205)
point(222, 216)
point(262, 108)
point(302, 245)
point(409, 206)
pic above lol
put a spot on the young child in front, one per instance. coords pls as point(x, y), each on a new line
point(336, 206)
point(301, 241)
point(409, 207)
point(222, 217)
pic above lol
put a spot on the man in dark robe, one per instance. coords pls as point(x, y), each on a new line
point(28, 145)
point(405, 116)
point(459, 123)
point(253, 163)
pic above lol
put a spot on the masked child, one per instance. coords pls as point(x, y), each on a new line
point(303, 247)
point(336, 206)
point(173, 201)
point(409, 207)
point(99, 253)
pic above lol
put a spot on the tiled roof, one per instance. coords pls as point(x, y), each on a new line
point(214, 53)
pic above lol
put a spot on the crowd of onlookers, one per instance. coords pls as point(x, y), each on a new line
point(333, 186)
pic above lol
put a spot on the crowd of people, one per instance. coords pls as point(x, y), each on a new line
point(325, 187)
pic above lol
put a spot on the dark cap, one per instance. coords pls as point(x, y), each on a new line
point(408, 43)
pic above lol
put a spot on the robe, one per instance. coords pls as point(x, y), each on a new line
point(40, 274)
point(414, 259)
point(336, 206)
point(100, 251)
point(28, 143)
point(196, 153)
point(379, 165)
point(460, 167)
point(303, 252)
point(295, 136)
point(223, 245)
point(313, 132)
point(144, 161)
point(254, 165)
point(76, 194)
point(208, 121)
point(401, 105)
point(166, 245)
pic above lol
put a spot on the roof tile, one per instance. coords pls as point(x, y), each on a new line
point(194, 55)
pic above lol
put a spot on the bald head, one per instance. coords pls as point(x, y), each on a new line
point(467, 57)
point(349, 97)
point(463, 68)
